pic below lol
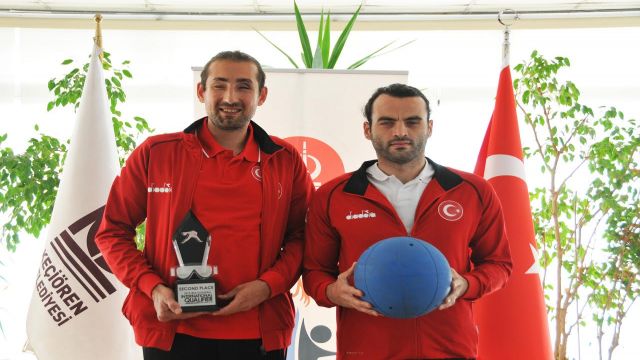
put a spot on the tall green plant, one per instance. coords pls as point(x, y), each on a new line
point(589, 231)
point(29, 181)
point(324, 57)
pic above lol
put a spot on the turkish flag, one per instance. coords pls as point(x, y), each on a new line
point(512, 322)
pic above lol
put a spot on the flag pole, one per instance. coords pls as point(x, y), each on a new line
point(507, 24)
point(62, 315)
point(517, 312)
point(98, 38)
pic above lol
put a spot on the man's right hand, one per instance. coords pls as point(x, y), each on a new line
point(345, 295)
point(167, 308)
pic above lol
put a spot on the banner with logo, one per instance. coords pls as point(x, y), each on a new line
point(76, 301)
point(320, 112)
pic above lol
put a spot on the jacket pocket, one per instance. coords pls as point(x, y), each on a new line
point(139, 309)
point(126, 306)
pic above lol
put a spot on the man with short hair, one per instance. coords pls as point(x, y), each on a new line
point(410, 195)
point(249, 190)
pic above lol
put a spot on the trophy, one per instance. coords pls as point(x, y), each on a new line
point(195, 288)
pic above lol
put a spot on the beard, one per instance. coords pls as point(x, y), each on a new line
point(412, 151)
point(230, 122)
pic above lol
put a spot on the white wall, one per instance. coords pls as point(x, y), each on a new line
point(459, 67)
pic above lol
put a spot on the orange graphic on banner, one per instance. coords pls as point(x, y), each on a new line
point(323, 163)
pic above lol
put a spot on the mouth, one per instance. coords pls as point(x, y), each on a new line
point(229, 111)
point(400, 143)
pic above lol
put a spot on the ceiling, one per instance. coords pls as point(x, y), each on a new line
point(375, 15)
point(160, 8)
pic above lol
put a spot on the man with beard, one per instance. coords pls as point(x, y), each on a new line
point(403, 193)
point(249, 190)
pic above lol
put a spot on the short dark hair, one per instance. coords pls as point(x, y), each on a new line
point(238, 56)
point(395, 90)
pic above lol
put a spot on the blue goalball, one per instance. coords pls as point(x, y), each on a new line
point(403, 277)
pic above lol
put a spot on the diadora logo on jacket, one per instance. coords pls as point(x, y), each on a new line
point(450, 210)
point(364, 214)
point(164, 188)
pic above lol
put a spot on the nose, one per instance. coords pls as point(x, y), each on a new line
point(400, 129)
point(229, 95)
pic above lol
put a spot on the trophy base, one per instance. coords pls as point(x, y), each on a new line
point(196, 295)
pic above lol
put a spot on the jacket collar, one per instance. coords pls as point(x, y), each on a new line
point(358, 181)
point(261, 137)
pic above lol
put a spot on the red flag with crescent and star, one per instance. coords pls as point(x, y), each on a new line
point(512, 322)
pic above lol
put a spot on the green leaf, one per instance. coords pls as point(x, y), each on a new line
point(360, 62)
point(307, 56)
point(276, 46)
point(318, 62)
point(317, 59)
point(376, 54)
point(342, 39)
point(326, 40)
point(127, 73)
point(51, 84)
point(51, 105)
point(67, 62)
